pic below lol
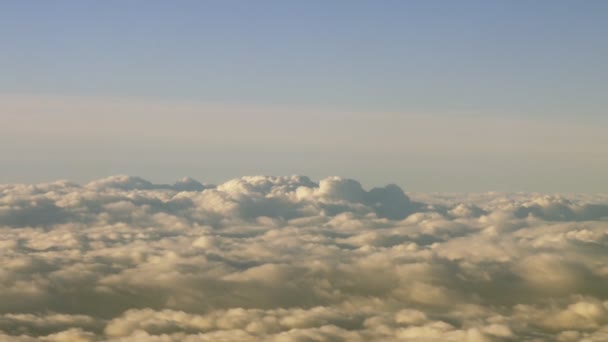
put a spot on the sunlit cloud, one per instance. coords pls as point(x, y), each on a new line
point(291, 259)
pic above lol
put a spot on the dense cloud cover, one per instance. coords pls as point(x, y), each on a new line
point(289, 259)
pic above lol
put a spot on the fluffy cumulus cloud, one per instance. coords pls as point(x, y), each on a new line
point(291, 259)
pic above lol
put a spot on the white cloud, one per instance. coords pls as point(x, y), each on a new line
point(289, 259)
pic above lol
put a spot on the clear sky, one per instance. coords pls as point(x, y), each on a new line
point(431, 95)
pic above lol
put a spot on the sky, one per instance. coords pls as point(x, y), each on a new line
point(432, 95)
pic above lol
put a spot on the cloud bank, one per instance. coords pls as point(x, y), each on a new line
point(289, 259)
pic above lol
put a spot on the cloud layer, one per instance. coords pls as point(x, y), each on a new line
point(290, 259)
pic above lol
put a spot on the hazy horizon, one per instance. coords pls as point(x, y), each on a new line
point(464, 96)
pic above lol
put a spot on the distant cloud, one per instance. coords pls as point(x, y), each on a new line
point(290, 259)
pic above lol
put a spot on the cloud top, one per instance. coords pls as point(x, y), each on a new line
point(291, 259)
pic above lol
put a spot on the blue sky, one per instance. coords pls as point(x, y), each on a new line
point(417, 67)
